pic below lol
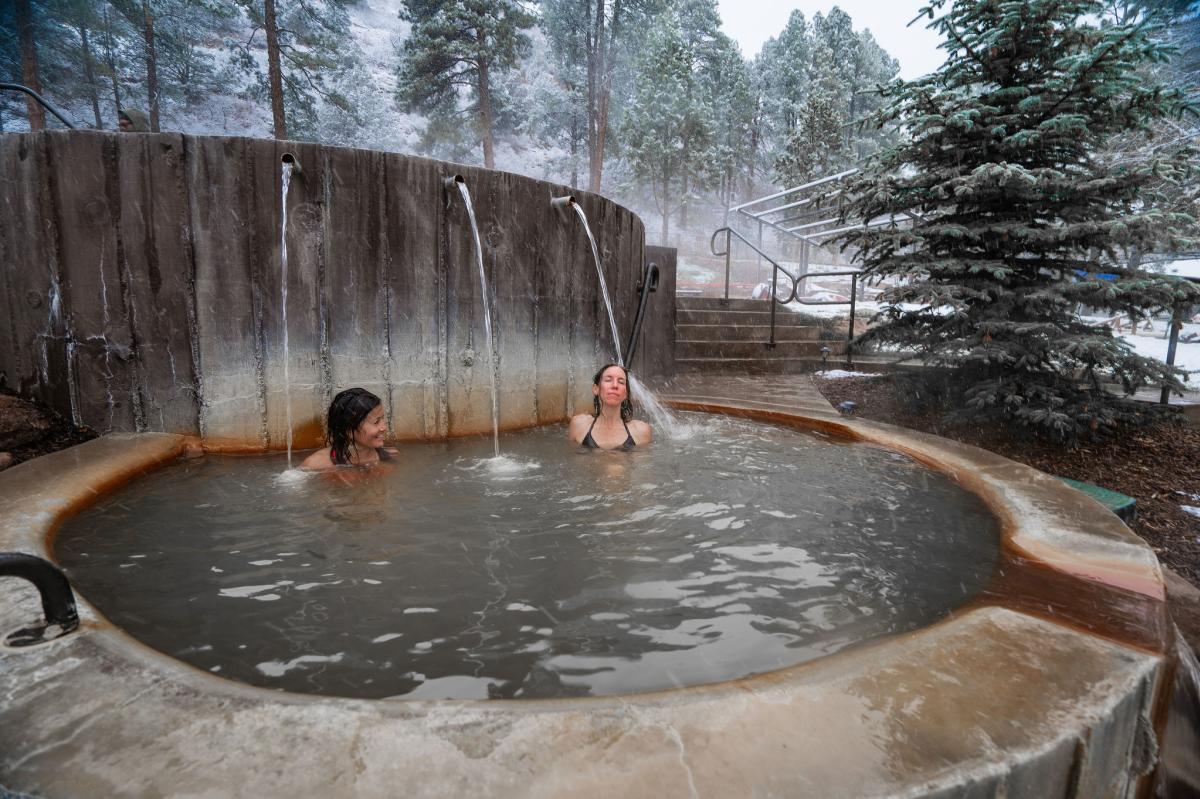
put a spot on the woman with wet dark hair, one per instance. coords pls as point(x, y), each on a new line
point(611, 424)
point(355, 427)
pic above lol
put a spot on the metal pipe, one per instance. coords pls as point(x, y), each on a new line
point(649, 285)
point(450, 184)
point(16, 87)
point(802, 187)
point(58, 602)
point(290, 158)
point(563, 203)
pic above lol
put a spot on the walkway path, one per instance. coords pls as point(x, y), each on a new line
point(795, 392)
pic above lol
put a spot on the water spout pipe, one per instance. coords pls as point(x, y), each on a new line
point(451, 184)
point(649, 284)
point(563, 203)
point(58, 602)
point(290, 158)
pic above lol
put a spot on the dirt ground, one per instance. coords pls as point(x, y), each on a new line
point(1157, 466)
point(29, 429)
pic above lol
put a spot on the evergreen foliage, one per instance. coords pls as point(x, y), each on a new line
point(459, 47)
point(1017, 217)
point(314, 39)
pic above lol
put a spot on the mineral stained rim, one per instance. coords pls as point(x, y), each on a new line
point(918, 713)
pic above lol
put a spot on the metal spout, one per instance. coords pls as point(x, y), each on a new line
point(563, 203)
point(290, 158)
point(451, 185)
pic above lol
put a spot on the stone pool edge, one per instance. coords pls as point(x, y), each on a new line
point(97, 713)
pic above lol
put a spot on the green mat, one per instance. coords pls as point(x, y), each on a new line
point(1125, 507)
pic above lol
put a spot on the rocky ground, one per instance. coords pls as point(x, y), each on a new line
point(1157, 466)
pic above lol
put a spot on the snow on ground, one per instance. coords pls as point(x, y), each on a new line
point(1187, 355)
point(837, 374)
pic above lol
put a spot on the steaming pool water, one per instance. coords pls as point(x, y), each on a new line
point(550, 572)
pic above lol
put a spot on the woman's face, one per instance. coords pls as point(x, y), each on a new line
point(612, 389)
point(371, 431)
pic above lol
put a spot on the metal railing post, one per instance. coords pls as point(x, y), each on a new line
point(1172, 343)
point(850, 335)
point(774, 301)
point(728, 250)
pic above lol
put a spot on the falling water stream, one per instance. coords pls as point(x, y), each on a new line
point(660, 416)
point(487, 311)
point(286, 181)
point(612, 321)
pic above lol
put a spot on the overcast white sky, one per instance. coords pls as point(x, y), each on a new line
point(752, 22)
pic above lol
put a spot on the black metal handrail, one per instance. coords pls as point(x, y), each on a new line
point(58, 602)
point(854, 276)
point(776, 268)
point(648, 285)
point(16, 87)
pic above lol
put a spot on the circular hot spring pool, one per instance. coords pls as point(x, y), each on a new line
point(550, 572)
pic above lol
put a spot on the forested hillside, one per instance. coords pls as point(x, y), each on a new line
point(642, 99)
point(645, 100)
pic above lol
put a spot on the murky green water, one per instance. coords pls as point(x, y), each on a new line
point(555, 572)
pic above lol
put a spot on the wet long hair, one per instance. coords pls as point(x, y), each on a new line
point(346, 413)
point(626, 404)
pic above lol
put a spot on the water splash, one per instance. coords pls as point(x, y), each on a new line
point(660, 415)
point(291, 476)
point(612, 321)
point(501, 466)
point(487, 314)
point(285, 181)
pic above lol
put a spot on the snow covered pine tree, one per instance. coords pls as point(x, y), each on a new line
point(1017, 214)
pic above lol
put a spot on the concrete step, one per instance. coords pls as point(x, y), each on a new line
point(757, 365)
point(756, 349)
point(727, 332)
point(783, 318)
point(719, 304)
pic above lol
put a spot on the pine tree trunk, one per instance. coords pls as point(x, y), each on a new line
point(683, 193)
point(485, 113)
point(151, 65)
point(29, 64)
point(603, 65)
point(89, 72)
point(274, 70)
point(666, 207)
point(574, 150)
point(110, 60)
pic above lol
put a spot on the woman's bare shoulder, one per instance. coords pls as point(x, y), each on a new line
point(579, 425)
point(318, 460)
point(641, 432)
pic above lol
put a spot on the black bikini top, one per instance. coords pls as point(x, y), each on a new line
point(590, 442)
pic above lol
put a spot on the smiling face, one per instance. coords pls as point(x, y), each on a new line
point(612, 388)
point(371, 431)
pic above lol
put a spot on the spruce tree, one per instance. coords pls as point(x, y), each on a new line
point(1017, 221)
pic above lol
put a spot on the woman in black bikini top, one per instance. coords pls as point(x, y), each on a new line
point(357, 427)
point(612, 415)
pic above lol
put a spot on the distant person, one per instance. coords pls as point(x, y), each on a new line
point(611, 424)
point(131, 120)
point(356, 428)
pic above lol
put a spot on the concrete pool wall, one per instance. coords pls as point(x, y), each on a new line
point(1004, 698)
point(142, 287)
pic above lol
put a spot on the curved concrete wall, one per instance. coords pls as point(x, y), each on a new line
point(142, 287)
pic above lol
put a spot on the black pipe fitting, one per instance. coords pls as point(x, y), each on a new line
point(58, 601)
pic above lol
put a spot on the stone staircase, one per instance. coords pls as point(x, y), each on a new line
point(714, 335)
